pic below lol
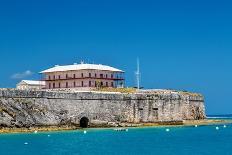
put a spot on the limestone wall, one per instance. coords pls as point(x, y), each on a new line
point(21, 108)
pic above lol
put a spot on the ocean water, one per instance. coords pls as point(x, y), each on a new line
point(203, 140)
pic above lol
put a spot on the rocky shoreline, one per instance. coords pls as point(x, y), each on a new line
point(7, 130)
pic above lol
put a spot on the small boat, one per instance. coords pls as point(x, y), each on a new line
point(120, 129)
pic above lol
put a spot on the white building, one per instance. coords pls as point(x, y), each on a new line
point(30, 85)
point(83, 76)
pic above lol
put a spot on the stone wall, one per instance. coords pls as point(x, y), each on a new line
point(21, 108)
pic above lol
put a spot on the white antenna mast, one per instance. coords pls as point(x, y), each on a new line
point(137, 73)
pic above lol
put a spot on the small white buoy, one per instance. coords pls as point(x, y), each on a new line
point(196, 126)
point(224, 126)
point(49, 135)
point(126, 130)
point(35, 131)
point(26, 143)
point(85, 132)
point(167, 130)
point(217, 128)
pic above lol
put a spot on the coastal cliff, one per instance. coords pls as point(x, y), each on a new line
point(24, 108)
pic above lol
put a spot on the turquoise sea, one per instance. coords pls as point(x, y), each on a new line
point(205, 140)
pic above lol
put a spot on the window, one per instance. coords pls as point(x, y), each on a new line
point(66, 84)
point(112, 76)
point(101, 83)
point(106, 84)
point(95, 75)
point(74, 84)
point(49, 77)
point(82, 83)
point(112, 84)
point(89, 74)
point(59, 85)
point(101, 75)
point(54, 77)
point(106, 76)
point(95, 83)
point(89, 83)
point(54, 85)
point(59, 76)
point(66, 76)
point(49, 85)
point(74, 76)
point(82, 75)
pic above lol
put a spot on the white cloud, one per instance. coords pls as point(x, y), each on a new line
point(22, 75)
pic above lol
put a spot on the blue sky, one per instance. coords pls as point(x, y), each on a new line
point(183, 45)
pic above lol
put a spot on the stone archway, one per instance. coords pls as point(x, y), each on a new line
point(84, 122)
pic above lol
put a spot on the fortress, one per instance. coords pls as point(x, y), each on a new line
point(27, 108)
point(61, 101)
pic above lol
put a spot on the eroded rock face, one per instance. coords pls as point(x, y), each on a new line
point(20, 108)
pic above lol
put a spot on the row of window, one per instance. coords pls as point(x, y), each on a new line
point(82, 75)
point(74, 84)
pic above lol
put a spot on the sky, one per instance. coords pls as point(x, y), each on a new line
point(183, 45)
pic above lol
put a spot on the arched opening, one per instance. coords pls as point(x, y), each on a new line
point(84, 122)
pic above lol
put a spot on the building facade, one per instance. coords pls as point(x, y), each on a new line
point(30, 85)
point(83, 76)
